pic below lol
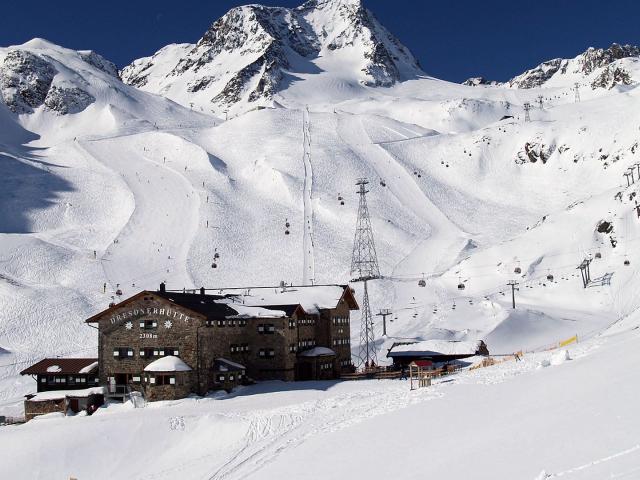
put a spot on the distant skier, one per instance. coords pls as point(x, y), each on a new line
point(104, 288)
point(95, 254)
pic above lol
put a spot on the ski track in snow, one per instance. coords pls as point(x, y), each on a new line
point(307, 243)
point(163, 222)
point(281, 429)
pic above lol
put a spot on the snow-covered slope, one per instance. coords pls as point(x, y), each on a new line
point(119, 188)
point(618, 65)
point(253, 52)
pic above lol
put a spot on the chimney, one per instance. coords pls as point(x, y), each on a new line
point(202, 291)
point(162, 288)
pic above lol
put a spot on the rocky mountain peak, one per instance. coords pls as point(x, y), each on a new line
point(245, 55)
point(595, 65)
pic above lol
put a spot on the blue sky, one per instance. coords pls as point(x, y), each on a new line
point(453, 40)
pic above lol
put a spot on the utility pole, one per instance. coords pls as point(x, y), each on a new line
point(384, 313)
point(540, 102)
point(626, 175)
point(364, 267)
point(527, 107)
point(513, 284)
point(576, 87)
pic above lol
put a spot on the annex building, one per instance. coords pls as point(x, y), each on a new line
point(169, 344)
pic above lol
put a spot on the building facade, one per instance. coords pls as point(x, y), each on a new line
point(217, 340)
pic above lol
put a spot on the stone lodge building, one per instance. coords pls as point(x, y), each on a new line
point(169, 344)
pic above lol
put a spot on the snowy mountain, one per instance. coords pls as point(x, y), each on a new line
point(606, 68)
point(253, 52)
point(114, 185)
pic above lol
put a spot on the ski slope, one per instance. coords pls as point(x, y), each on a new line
point(135, 190)
point(559, 421)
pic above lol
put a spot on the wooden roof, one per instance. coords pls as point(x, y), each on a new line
point(66, 366)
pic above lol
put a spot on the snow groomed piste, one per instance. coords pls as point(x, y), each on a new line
point(135, 189)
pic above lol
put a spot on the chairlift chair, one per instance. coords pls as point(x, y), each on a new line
point(598, 255)
point(119, 292)
point(214, 265)
point(627, 262)
point(550, 277)
point(517, 270)
point(422, 282)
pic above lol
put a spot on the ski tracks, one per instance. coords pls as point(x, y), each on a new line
point(307, 242)
point(273, 432)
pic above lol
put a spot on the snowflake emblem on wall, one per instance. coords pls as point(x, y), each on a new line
point(168, 324)
point(128, 325)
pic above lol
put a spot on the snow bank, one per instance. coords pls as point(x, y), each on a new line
point(560, 357)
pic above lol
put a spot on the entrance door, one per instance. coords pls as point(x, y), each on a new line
point(122, 381)
point(304, 371)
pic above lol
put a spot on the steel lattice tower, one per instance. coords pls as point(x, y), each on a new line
point(576, 87)
point(364, 267)
point(527, 107)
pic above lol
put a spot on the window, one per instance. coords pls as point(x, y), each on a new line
point(266, 353)
point(242, 323)
point(43, 380)
point(231, 377)
point(293, 348)
point(164, 380)
point(292, 323)
point(148, 324)
point(222, 323)
point(135, 379)
point(123, 352)
point(221, 378)
point(267, 328)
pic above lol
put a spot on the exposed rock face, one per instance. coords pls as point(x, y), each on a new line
point(595, 61)
point(246, 53)
point(99, 62)
point(537, 76)
point(476, 81)
point(68, 100)
point(610, 77)
point(27, 82)
point(534, 151)
point(25, 79)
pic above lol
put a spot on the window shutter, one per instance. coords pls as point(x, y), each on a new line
point(152, 380)
point(141, 324)
point(130, 352)
point(172, 380)
point(175, 352)
point(142, 353)
point(116, 353)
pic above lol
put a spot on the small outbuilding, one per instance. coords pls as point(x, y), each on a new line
point(318, 363)
point(228, 374)
point(167, 378)
point(438, 351)
point(64, 401)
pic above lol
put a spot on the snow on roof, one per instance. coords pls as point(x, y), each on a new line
point(245, 311)
point(317, 352)
point(89, 368)
point(442, 347)
point(61, 394)
point(168, 364)
point(310, 298)
point(54, 369)
point(231, 364)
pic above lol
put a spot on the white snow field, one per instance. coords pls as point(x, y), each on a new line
point(574, 419)
point(134, 189)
